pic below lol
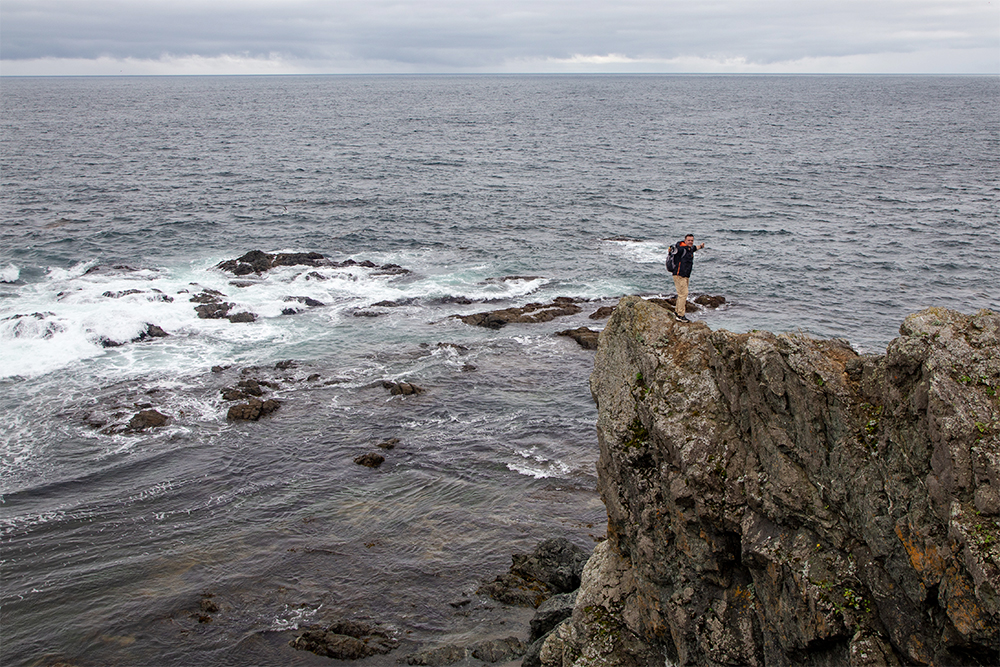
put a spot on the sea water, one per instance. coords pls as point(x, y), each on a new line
point(832, 206)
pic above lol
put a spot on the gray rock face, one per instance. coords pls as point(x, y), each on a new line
point(781, 500)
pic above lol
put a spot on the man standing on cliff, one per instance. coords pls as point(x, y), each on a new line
point(682, 271)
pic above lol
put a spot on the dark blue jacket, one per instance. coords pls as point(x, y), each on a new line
point(685, 259)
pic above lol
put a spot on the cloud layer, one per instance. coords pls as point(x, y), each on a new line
point(313, 36)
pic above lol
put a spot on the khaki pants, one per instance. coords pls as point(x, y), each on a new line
point(681, 285)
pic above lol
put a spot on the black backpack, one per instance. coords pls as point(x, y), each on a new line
point(672, 255)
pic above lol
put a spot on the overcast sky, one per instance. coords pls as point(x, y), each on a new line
point(471, 36)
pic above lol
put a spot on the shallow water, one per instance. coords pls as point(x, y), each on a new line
point(830, 205)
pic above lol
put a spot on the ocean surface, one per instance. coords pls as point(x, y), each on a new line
point(833, 206)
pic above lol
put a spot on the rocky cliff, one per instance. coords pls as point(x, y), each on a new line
point(781, 500)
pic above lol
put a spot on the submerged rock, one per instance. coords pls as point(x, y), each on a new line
point(370, 460)
point(345, 640)
point(781, 500)
point(252, 410)
point(145, 419)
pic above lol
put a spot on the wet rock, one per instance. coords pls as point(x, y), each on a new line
point(285, 365)
point(147, 419)
point(602, 313)
point(242, 317)
point(587, 338)
point(118, 295)
point(388, 444)
point(305, 300)
point(370, 460)
point(402, 388)
point(531, 313)
point(436, 657)
point(214, 310)
point(498, 650)
point(313, 378)
point(252, 410)
point(710, 301)
point(345, 640)
point(259, 262)
point(554, 567)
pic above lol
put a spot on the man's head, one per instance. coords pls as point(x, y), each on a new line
point(689, 239)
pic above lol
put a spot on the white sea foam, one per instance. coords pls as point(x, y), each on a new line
point(640, 252)
point(9, 274)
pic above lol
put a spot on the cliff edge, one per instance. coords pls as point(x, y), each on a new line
point(781, 500)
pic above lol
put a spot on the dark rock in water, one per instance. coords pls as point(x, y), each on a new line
point(554, 567)
point(213, 311)
point(251, 387)
point(388, 444)
point(345, 640)
point(252, 410)
point(587, 338)
point(437, 657)
point(710, 301)
point(153, 331)
point(402, 388)
point(370, 460)
point(147, 419)
point(207, 296)
point(529, 314)
point(781, 500)
point(498, 650)
point(602, 313)
point(258, 262)
point(285, 365)
point(313, 378)
point(305, 300)
point(118, 295)
point(242, 317)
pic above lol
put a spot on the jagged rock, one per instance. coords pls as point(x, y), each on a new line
point(252, 410)
point(587, 338)
point(370, 460)
point(258, 262)
point(345, 640)
point(242, 317)
point(781, 500)
point(554, 567)
point(531, 313)
point(147, 419)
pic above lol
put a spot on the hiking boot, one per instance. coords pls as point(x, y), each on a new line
point(681, 318)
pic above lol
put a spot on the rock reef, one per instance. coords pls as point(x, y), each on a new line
point(782, 500)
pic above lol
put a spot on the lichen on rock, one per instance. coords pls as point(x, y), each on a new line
point(774, 499)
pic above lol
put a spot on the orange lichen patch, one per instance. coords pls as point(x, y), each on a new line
point(741, 598)
point(961, 606)
point(924, 556)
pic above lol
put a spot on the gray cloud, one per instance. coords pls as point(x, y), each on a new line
point(446, 35)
